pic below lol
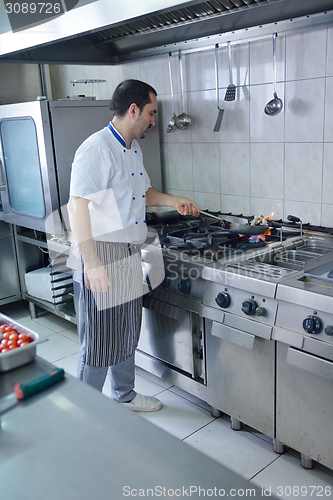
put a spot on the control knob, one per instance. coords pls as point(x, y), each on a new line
point(184, 285)
point(329, 330)
point(223, 299)
point(261, 311)
point(312, 324)
point(249, 307)
point(166, 282)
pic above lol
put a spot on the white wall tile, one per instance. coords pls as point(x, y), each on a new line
point(235, 122)
point(329, 62)
point(261, 61)
point(327, 215)
point(206, 168)
point(267, 165)
point(265, 128)
point(328, 174)
point(130, 70)
point(180, 166)
point(202, 70)
point(304, 108)
point(236, 204)
point(181, 192)
point(235, 169)
point(306, 55)
point(303, 172)
point(208, 201)
point(204, 113)
point(328, 127)
point(152, 72)
point(111, 75)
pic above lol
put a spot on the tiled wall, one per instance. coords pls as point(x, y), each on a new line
point(256, 163)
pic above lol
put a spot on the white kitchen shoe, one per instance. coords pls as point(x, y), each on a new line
point(143, 403)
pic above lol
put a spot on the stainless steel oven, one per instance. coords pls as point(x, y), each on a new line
point(304, 371)
point(172, 340)
point(37, 144)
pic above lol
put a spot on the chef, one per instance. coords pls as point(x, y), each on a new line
point(109, 191)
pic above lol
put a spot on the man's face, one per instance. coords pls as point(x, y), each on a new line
point(146, 117)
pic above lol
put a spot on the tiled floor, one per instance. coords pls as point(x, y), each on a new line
point(246, 452)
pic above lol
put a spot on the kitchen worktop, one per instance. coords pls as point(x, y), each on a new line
point(71, 442)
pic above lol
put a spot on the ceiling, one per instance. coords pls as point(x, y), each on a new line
point(104, 33)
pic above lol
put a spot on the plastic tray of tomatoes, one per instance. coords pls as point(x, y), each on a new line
point(17, 344)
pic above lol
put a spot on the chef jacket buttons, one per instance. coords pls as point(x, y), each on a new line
point(141, 173)
point(143, 196)
point(133, 197)
point(132, 173)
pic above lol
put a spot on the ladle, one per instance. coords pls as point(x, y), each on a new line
point(183, 121)
point(172, 123)
point(274, 106)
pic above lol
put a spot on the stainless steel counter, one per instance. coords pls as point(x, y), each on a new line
point(71, 442)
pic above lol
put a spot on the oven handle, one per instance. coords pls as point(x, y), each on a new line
point(3, 185)
point(164, 308)
point(232, 335)
point(309, 363)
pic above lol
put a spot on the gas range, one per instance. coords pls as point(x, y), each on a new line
point(201, 238)
point(207, 266)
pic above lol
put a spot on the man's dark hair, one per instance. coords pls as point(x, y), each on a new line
point(129, 92)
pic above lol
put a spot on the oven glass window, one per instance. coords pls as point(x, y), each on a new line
point(21, 161)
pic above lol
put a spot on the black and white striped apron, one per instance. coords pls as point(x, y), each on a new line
point(113, 318)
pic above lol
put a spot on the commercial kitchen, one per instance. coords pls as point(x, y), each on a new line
point(237, 329)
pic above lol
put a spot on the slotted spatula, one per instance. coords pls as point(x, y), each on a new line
point(231, 89)
point(220, 110)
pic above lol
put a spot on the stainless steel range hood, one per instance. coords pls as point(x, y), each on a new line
point(110, 32)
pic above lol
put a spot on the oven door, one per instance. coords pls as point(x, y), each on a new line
point(240, 369)
point(29, 189)
point(173, 336)
point(304, 412)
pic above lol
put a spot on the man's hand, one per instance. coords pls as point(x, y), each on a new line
point(96, 277)
point(185, 206)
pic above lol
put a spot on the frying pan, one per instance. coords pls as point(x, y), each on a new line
point(162, 213)
point(238, 225)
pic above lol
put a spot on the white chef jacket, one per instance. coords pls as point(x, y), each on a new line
point(115, 181)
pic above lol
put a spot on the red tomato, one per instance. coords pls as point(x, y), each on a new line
point(24, 337)
point(5, 350)
point(13, 336)
point(4, 343)
point(24, 343)
point(6, 335)
point(12, 342)
point(12, 346)
point(2, 327)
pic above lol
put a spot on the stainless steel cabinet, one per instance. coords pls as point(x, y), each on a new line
point(240, 376)
point(9, 280)
point(305, 402)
